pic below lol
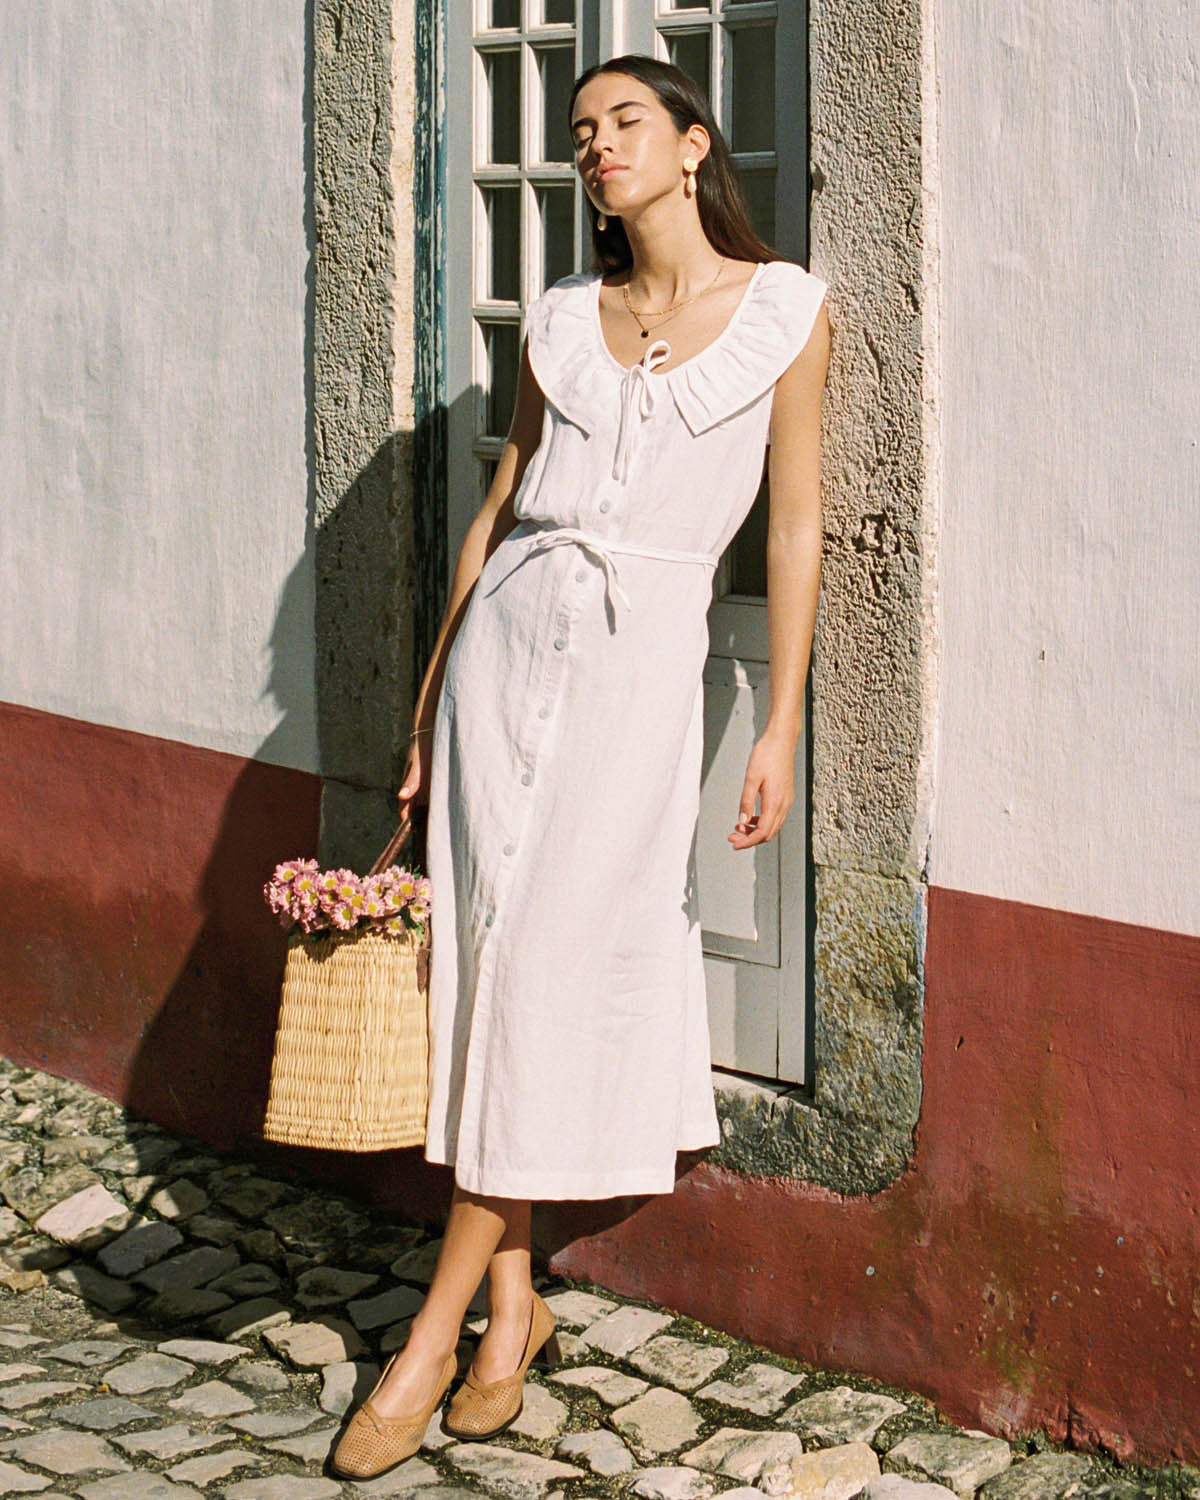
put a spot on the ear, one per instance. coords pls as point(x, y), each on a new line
point(699, 142)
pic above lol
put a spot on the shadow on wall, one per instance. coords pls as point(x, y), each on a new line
point(202, 1063)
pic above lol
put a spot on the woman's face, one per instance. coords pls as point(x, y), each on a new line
point(627, 149)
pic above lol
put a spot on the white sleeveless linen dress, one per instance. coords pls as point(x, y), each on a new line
point(568, 1029)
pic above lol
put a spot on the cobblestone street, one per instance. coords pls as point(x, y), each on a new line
point(174, 1323)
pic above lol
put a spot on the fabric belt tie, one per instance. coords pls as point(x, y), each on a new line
point(603, 548)
point(637, 402)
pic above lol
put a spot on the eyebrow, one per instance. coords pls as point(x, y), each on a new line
point(624, 104)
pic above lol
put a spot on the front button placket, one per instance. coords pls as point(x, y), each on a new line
point(508, 871)
point(637, 403)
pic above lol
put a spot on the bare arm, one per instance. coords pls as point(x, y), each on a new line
point(793, 582)
point(492, 523)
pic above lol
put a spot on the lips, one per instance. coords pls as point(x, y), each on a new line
point(607, 172)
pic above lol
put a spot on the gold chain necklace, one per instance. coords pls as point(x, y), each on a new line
point(667, 312)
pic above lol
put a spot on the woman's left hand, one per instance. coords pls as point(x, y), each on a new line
point(770, 776)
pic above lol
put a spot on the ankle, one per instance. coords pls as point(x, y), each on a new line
point(430, 1344)
point(511, 1307)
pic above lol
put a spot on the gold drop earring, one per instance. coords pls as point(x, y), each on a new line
point(601, 221)
point(690, 165)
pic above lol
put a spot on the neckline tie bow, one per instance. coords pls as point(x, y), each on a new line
point(637, 402)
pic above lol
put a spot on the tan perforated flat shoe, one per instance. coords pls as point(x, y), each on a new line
point(373, 1444)
point(480, 1409)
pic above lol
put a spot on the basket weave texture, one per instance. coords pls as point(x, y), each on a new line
point(349, 1071)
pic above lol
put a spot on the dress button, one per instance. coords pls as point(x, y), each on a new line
point(560, 643)
point(508, 848)
point(544, 711)
point(526, 778)
point(580, 576)
point(605, 504)
point(487, 921)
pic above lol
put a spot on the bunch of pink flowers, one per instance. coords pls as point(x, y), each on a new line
point(304, 896)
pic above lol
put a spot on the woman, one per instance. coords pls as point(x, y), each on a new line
point(559, 732)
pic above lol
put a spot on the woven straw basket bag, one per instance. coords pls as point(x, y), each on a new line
point(349, 1070)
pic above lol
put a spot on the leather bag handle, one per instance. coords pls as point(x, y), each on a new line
point(387, 855)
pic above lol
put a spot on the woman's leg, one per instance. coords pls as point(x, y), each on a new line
point(476, 1226)
point(510, 1299)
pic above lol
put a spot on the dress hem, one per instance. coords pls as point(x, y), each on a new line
point(549, 1186)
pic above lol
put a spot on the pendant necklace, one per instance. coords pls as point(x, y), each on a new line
point(667, 312)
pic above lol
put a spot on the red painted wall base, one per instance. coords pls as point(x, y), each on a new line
point(1037, 1266)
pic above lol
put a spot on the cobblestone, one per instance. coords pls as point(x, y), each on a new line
point(247, 1312)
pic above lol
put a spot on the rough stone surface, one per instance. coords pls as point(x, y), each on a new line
point(631, 1409)
point(1044, 1476)
point(191, 1269)
point(344, 1382)
point(35, 1393)
point(138, 1247)
point(202, 1351)
point(276, 1423)
point(180, 1200)
point(385, 1307)
point(283, 1487)
point(168, 1442)
point(138, 1487)
point(960, 1462)
point(897, 1487)
point(602, 1451)
point(94, 1286)
point(308, 1346)
point(103, 1414)
point(760, 1388)
point(15, 1481)
point(89, 1353)
point(64, 1451)
point(825, 1474)
point(658, 1422)
point(249, 1317)
point(612, 1386)
point(508, 1471)
point(743, 1453)
point(542, 1416)
point(72, 1220)
point(681, 1363)
point(623, 1329)
point(309, 1447)
point(574, 1309)
point(213, 1398)
point(840, 1415)
point(205, 1468)
point(149, 1372)
point(675, 1482)
point(324, 1286)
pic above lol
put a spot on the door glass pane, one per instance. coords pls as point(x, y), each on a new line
point(752, 85)
point(503, 356)
point(504, 13)
point(692, 51)
point(503, 209)
point(504, 106)
point(685, 5)
point(559, 13)
point(556, 67)
point(557, 210)
point(758, 189)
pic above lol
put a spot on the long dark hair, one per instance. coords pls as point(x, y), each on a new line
point(723, 213)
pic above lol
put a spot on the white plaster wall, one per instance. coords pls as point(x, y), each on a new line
point(1069, 737)
point(154, 573)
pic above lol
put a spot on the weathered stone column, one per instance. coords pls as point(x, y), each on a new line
point(362, 102)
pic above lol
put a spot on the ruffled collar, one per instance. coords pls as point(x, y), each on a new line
point(766, 331)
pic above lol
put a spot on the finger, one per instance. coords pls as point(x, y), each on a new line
point(746, 807)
